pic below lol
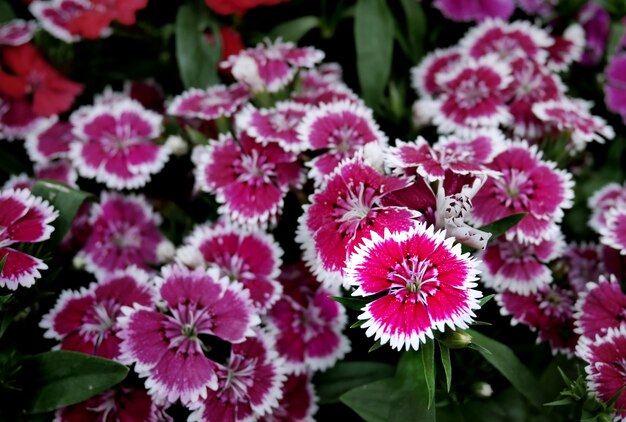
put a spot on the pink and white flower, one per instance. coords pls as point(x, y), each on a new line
point(298, 403)
point(507, 40)
point(209, 104)
point(49, 140)
point(125, 403)
point(425, 76)
point(344, 211)
point(322, 85)
point(17, 118)
point(613, 234)
point(601, 307)
point(473, 95)
point(24, 218)
point(271, 66)
point(168, 348)
point(427, 280)
point(86, 320)
point(550, 311)
point(518, 266)
point(124, 232)
point(307, 324)
point(584, 262)
point(573, 116)
point(249, 257)
point(566, 49)
point(339, 130)
point(17, 32)
point(250, 180)
point(528, 184)
point(249, 384)
point(57, 17)
point(116, 144)
point(606, 372)
point(59, 170)
point(602, 202)
point(277, 124)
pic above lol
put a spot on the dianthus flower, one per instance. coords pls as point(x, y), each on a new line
point(116, 144)
point(475, 10)
point(209, 104)
point(249, 257)
point(601, 307)
point(168, 348)
point(17, 32)
point(124, 232)
point(613, 234)
point(23, 218)
point(307, 324)
point(86, 320)
point(424, 77)
point(615, 87)
point(49, 140)
point(346, 209)
point(426, 281)
point(606, 375)
point(250, 180)
point(298, 403)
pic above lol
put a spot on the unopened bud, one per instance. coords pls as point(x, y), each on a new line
point(165, 251)
point(190, 257)
point(456, 340)
point(79, 262)
point(177, 145)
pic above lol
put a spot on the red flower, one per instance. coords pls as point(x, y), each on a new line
point(32, 75)
point(238, 7)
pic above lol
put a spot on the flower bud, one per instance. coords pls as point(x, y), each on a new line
point(456, 340)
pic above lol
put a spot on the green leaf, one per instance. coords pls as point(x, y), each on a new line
point(447, 366)
point(498, 227)
point(375, 346)
point(505, 361)
point(485, 299)
point(295, 29)
point(356, 304)
point(358, 323)
point(3, 261)
point(615, 39)
point(6, 13)
point(197, 59)
point(373, 35)
point(345, 376)
point(427, 350)
point(65, 200)
point(400, 398)
point(61, 378)
point(196, 137)
point(415, 28)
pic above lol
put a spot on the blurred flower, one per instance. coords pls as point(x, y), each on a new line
point(601, 307)
point(24, 218)
point(615, 87)
point(238, 7)
point(17, 32)
point(209, 104)
point(597, 24)
point(298, 402)
point(475, 10)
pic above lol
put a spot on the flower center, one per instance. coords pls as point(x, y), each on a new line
point(239, 378)
point(515, 188)
point(471, 92)
point(189, 331)
point(344, 138)
point(356, 208)
point(420, 279)
point(255, 169)
point(283, 122)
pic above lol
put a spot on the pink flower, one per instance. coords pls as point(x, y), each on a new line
point(475, 10)
point(339, 130)
point(549, 311)
point(277, 124)
point(298, 402)
point(321, 85)
point(251, 258)
point(59, 170)
point(307, 324)
point(613, 234)
point(127, 404)
point(520, 267)
point(532, 83)
point(56, 17)
point(344, 211)
point(124, 232)
point(168, 349)
point(615, 87)
point(566, 49)
point(584, 262)
point(528, 184)
point(24, 218)
point(17, 118)
point(601, 307)
point(49, 140)
point(603, 201)
point(249, 384)
point(606, 372)
point(426, 280)
point(250, 180)
point(424, 77)
point(460, 155)
point(209, 104)
point(116, 144)
point(537, 7)
point(596, 23)
point(17, 32)
point(86, 320)
point(473, 95)
point(507, 41)
point(573, 116)
point(271, 66)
